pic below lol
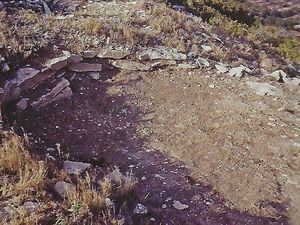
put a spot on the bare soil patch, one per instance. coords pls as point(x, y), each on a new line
point(103, 124)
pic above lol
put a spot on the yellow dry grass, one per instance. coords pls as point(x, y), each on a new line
point(23, 178)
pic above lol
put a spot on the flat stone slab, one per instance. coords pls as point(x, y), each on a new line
point(53, 95)
point(89, 54)
point(58, 63)
point(28, 78)
point(131, 65)
point(75, 167)
point(262, 88)
point(221, 68)
point(113, 54)
point(85, 67)
point(25, 74)
point(75, 59)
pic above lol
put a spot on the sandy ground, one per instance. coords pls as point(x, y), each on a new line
point(244, 145)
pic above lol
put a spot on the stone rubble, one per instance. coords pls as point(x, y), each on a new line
point(160, 53)
point(54, 94)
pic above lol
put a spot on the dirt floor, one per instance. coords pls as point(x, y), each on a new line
point(203, 139)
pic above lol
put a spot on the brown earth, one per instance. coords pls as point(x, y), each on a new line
point(228, 140)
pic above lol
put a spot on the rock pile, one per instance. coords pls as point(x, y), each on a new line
point(145, 60)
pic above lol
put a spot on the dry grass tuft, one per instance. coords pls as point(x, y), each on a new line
point(23, 178)
point(20, 174)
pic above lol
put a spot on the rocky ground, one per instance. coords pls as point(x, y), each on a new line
point(208, 123)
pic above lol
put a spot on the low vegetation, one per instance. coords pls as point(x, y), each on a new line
point(24, 178)
point(237, 19)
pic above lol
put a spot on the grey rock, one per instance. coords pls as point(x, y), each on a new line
point(95, 76)
point(221, 68)
point(202, 61)
point(294, 81)
point(89, 54)
point(21, 105)
point(131, 65)
point(297, 27)
point(85, 67)
point(187, 66)
point(5, 68)
point(46, 8)
point(6, 213)
point(262, 88)
point(75, 167)
point(279, 76)
point(293, 71)
point(24, 74)
point(206, 48)
point(161, 53)
point(163, 63)
point(73, 58)
point(53, 95)
point(9, 92)
point(140, 209)
point(238, 71)
point(113, 54)
point(28, 78)
point(179, 206)
point(64, 189)
point(115, 176)
point(58, 63)
point(66, 93)
point(30, 207)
